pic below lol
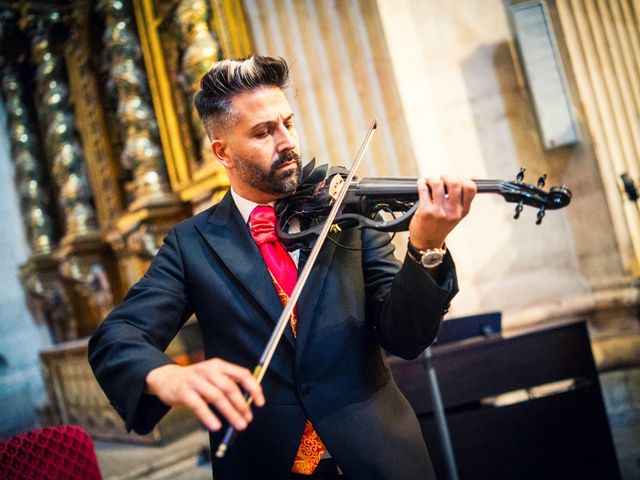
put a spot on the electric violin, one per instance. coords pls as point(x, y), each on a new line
point(366, 197)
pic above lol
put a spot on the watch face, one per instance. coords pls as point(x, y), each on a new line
point(432, 259)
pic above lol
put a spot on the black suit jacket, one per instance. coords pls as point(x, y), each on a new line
point(334, 373)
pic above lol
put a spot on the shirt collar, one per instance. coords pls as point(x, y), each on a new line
point(246, 206)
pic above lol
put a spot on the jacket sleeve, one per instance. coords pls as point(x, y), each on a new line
point(405, 303)
point(130, 342)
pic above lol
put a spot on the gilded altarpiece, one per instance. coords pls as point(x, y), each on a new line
point(124, 157)
point(85, 264)
point(134, 201)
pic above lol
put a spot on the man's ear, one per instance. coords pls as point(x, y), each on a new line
point(221, 152)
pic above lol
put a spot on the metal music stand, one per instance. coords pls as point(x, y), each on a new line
point(454, 330)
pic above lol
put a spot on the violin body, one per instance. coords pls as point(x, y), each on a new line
point(367, 197)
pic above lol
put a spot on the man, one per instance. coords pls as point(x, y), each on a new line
point(328, 399)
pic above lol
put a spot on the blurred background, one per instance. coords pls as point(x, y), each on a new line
point(101, 152)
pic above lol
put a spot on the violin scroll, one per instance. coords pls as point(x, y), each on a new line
point(525, 194)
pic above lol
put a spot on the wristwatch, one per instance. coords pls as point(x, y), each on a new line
point(429, 258)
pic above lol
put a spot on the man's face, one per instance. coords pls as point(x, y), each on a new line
point(262, 146)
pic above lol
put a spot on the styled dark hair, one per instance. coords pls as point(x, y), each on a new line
point(228, 78)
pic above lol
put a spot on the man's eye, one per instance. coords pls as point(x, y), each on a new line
point(262, 133)
point(289, 126)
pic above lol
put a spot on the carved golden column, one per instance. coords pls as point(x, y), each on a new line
point(61, 140)
point(83, 258)
point(98, 137)
point(153, 207)
point(142, 153)
point(199, 50)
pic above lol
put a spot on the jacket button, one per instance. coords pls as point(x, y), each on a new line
point(305, 388)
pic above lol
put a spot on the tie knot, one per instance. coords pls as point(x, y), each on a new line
point(262, 222)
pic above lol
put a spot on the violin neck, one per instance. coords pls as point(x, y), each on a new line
point(407, 187)
point(489, 186)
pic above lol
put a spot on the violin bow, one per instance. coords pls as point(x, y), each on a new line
point(265, 359)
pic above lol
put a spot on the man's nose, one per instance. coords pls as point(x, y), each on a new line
point(286, 139)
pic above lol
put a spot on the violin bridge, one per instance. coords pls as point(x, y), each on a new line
point(335, 185)
point(335, 228)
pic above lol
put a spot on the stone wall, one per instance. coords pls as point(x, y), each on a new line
point(469, 114)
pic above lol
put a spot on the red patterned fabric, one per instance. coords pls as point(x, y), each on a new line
point(62, 452)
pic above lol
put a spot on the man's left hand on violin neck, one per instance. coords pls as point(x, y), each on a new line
point(443, 202)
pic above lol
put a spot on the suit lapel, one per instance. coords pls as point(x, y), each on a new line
point(228, 235)
point(312, 289)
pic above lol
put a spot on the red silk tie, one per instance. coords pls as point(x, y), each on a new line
point(284, 273)
point(262, 221)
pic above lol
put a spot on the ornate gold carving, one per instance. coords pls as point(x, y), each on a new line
point(231, 27)
point(174, 68)
point(137, 236)
point(88, 270)
point(161, 94)
point(91, 290)
point(34, 198)
point(143, 243)
point(84, 260)
point(46, 299)
point(141, 153)
point(199, 51)
point(103, 171)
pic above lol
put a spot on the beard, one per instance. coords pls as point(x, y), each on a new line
point(270, 180)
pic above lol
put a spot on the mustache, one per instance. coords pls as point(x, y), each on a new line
point(285, 158)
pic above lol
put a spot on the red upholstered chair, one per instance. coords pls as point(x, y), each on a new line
point(63, 452)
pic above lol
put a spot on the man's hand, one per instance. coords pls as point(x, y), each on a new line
point(214, 382)
point(439, 212)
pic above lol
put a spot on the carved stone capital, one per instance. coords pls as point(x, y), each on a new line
point(87, 269)
point(138, 234)
point(46, 297)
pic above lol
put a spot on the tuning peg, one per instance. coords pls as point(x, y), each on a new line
point(542, 180)
point(520, 176)
point(541, 213)
point(519, 208)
